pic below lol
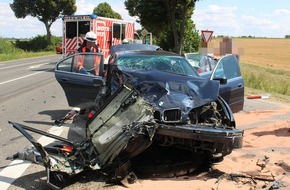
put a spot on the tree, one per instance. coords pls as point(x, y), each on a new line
point(165, 19)
point(46, 11)
point(191, 39)
point(105, 10)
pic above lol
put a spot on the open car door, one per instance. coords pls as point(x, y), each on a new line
point(227, 70)
point(81, 77)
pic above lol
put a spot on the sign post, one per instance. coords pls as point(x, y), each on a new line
point(144, 33)
point(206, 36)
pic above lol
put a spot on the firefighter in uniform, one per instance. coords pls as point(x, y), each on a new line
point(89, 45)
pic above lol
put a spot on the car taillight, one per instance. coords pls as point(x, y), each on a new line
point(67, 149)
point(91, 114)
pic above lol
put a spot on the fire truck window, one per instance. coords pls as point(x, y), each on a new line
point(116, 30)
point(119, 30)
point(123, 31)
point(84, 27)
point(71, 29)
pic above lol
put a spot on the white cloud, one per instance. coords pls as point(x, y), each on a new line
point(283, 20)
point(252, 21)
point(231, 21)
point(267, 25)
point(222, 20)
point(13, 27)
point(84, 7)
point(282, 12)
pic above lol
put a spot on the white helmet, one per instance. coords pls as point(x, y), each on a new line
point(91, 36)
point(125, 41)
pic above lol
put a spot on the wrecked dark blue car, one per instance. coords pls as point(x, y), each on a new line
point(151, 107)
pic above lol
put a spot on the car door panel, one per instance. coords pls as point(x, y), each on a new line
point(80, 89)
point(233, 93)
point(233, 90)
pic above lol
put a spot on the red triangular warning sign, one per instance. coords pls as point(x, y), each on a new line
point(206, 35)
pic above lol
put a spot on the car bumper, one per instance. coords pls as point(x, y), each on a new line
point(202, 138)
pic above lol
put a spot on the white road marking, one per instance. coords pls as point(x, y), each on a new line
point(25, 76)
point(37, 66)
point(17, 167)
point(20, 65)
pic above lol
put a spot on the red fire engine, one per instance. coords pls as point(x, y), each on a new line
point(109, 32)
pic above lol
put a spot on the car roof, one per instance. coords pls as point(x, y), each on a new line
point(129, 47)
point(147, 53)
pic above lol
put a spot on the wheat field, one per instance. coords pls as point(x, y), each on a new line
point(265, 63)
point(266, 52)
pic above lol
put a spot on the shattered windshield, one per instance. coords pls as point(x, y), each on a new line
point(201, 62)
point(169, 64)
point(193, 58)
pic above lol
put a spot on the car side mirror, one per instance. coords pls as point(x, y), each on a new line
point(223, 80)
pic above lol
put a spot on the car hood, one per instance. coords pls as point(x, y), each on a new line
point(168, 90)
point(130, 47)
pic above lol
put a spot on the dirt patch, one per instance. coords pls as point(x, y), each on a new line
point(262, 163)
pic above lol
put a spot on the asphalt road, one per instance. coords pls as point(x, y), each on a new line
point(30, 95)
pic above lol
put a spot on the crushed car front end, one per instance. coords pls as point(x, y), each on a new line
point(189, 112)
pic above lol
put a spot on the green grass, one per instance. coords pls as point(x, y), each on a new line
point(9, 51)
point(21, 55)
point(271, 95)
point(266, 80)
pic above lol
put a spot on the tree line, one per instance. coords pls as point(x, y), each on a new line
point(169, 21)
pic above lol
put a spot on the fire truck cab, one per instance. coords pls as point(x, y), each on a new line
point(109, 32)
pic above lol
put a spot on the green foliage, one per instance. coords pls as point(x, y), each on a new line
point(165, 39)
point(152, 14)
point(191, 39)
point(8, 51)
point(262, 78)
point(168, 21)
point(105, 10)
point(38, 44)
point(287, 36)
point(7, 47)
point(46, 11)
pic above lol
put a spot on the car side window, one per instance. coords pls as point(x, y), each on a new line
point(65, 65)
point(228, 67)
point(86, 64)
point(206, 64)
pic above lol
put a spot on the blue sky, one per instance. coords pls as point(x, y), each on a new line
point(259, 18)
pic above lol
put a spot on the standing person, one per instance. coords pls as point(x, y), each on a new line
point(89, 44)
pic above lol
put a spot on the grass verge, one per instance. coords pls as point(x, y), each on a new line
point(21, 55)
point(272, 96)
point(266, 79)
point(260, 80)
